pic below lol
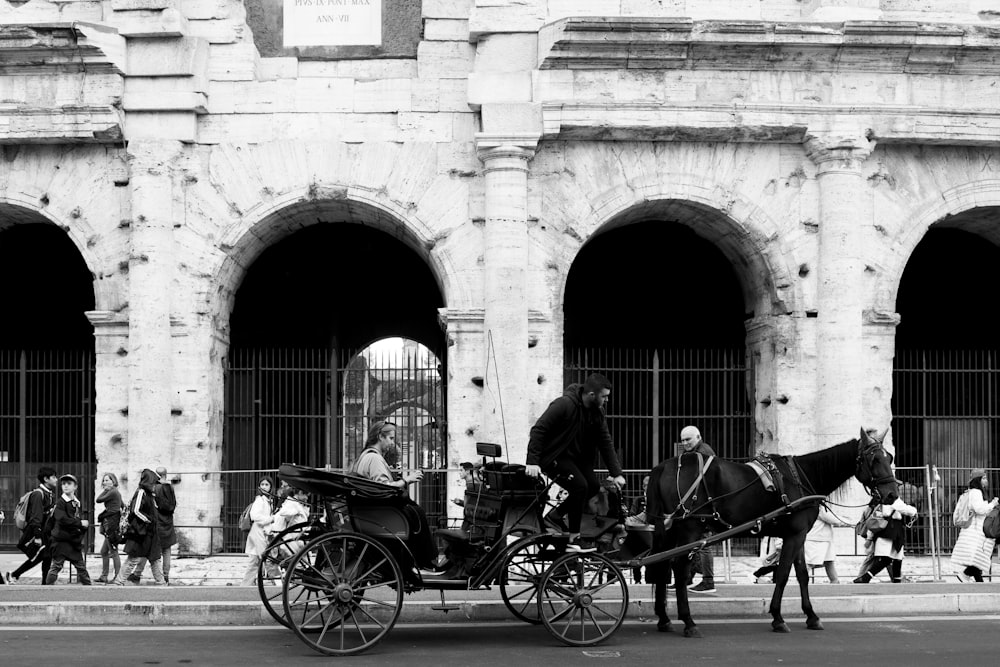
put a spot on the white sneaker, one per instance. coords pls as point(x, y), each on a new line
point(964, 578)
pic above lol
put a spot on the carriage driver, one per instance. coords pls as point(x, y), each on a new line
point(564, 443)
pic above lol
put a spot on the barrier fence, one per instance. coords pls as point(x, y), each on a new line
point(932, 490)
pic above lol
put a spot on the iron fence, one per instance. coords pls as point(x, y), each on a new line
point(46, 419)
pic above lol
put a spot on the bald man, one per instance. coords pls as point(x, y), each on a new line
point(166, 503)
point(692, 443)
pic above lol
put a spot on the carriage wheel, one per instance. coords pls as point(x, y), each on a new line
point(354, 593)
point(520, 574)
point(274, 564)
point(582, 599)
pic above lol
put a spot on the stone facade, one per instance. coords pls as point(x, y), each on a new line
point(813, 142)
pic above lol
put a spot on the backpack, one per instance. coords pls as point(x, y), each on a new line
point(962, 516)
point(21, 511)
point(991, 524)
point(246, 523)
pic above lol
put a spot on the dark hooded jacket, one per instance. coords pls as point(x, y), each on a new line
point(568, 428)
point(142, 538)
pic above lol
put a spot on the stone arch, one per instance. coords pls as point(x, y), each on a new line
point(741, 230)
point(268, 222)
point(24, 208)
point(952, 202)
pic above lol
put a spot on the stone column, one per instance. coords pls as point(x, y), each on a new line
point(151, 271)
point(505, 321)
point(843, 208)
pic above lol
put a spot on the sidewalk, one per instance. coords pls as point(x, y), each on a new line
point(205, 592)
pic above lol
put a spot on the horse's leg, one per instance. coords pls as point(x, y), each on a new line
point(791, 548)
point(682, 565)
point(659, 575)
point(802, 574)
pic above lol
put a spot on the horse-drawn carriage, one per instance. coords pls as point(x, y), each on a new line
point(345, 571)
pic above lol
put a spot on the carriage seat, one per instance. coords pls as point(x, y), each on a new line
point(453, 534)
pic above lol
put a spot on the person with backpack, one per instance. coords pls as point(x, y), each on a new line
point(37, 509)
point(261, 516)
point(142, 538)
point(973, 550)
point(166, 504)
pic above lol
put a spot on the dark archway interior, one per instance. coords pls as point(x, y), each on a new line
point(337, 285)
point(653, 283)
point(651, 295)
point(946, 371)
point(48, 289)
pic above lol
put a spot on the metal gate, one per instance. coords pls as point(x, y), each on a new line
point(46, 419)
point(656, 393)
point(946, 414)
point(314, 406)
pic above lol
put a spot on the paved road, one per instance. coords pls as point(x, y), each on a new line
point(955, 640)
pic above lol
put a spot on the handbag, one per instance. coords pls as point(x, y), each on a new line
point(876, 523)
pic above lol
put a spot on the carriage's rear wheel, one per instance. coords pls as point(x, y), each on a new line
point(521, 572)
point(582, 599)
point(354, 593)
point(274, 564)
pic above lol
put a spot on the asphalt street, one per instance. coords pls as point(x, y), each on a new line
point(912, 641)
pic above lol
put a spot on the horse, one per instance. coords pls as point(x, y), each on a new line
point(731, 494)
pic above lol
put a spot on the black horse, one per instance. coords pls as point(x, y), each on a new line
point(731, 494)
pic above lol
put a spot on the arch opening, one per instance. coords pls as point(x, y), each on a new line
point(47, 365)
point(661, 311)
point(946, 370)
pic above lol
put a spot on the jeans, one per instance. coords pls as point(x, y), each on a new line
point(131, 564)
point(57, 565)
point(109, 553)
point(165, 564)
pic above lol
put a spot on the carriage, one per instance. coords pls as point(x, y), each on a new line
point(344, 572)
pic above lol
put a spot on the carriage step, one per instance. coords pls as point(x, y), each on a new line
point(444, 606)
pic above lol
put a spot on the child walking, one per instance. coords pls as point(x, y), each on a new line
point(67, 533)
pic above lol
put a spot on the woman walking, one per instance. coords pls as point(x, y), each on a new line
point(109, 519)
point(973, 551)
point(261, 516)
point(142, 539)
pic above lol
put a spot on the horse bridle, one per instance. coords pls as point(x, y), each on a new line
point(866, 453)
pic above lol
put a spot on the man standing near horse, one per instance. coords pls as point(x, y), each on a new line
point(564, 443)
point(693, 444)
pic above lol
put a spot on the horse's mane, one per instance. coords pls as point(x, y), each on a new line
point(826, 468)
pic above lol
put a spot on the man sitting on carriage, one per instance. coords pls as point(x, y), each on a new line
point(564, 443)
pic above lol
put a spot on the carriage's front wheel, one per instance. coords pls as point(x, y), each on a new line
point(274, 564)
point(521, 572)
point(354, 593)
point(582, 599)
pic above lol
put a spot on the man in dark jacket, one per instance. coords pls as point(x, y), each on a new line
point(564, 444)
point(166, 503)
point(704, 561)
point(34, 540)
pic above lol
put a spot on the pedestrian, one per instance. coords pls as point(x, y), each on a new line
point(886, 545)
point(636, 514)
point(261, 516)
point(142, 539)
point(702, 561)
point(68, 531)
point(294, 510)
point(3, 579)
point(819, 549)
point(110, 520)
point(471, 482)
point(166, 503)
point(973, 551)
point(564, 443)
point(34, 540)
point(770, 554)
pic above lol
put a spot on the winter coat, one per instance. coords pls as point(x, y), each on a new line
point(260, 514)
point(67, 531)
point(166, 502)
point(567, 426)
point(111, 515)
point(142, 539)
point(972, 546)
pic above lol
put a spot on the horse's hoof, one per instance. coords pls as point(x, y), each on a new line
point(815, 625)
point(665, 627)
point(692, 632)
point(781, 627)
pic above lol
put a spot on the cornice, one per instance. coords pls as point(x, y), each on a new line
point(680, 43)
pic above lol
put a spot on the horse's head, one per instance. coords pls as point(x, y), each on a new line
point(874, 468)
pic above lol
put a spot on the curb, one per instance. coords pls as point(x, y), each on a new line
point(253, 613)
